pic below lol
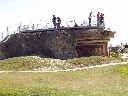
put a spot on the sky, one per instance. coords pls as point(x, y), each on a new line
point(20, 12)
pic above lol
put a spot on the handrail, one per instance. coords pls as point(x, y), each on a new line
point(6, 38)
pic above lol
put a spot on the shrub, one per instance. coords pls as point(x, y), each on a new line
point(116, 55)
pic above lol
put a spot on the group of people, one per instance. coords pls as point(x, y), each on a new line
point(100, 19)
point(56, 21)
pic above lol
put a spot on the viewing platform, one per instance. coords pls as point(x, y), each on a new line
point(64, 28)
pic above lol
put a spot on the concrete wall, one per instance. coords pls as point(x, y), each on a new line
point(57, 44)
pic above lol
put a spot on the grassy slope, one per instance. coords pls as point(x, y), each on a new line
point(35, 62)
point(30, 63)
point(106, 81)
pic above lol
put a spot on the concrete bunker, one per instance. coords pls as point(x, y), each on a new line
point(61, 43)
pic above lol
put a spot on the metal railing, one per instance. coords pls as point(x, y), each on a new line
point(45, 25)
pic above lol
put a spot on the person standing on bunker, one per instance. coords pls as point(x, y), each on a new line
point(58, 22)
point(54, 21)
point(98, 19)
point(102, 20)
point(89, 18)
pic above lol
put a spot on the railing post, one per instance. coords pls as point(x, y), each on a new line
point(19, 29)
point(2, 35)
point(7, 31)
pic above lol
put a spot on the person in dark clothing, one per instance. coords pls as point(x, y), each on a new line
point(89, 18)
point(98, 18)
point(58, 22)
point(101, 18)
point(54, 21)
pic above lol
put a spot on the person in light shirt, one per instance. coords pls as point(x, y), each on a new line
point(58, 22)
point(89, 18)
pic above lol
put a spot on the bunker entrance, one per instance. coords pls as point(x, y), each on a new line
point(89, 50)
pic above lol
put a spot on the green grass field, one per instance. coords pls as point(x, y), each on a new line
point(105, 81)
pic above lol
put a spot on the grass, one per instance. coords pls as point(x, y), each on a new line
point(123, 69)
point(105, 81)
point(31, 63)
point(37, 63)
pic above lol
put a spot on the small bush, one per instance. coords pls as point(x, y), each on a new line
point(116, 55)
point(113, 54)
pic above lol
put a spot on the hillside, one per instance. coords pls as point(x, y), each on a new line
point(36, 63)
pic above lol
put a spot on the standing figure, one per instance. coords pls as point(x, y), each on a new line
point(98, 19)
point(54, 21)
point(58, 22)
point(89, 18)
point(102, 20)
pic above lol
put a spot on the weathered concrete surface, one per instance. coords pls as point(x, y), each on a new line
point(2, 53)
point(60, 44)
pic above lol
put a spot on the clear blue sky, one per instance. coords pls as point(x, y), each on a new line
point(14, 12)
